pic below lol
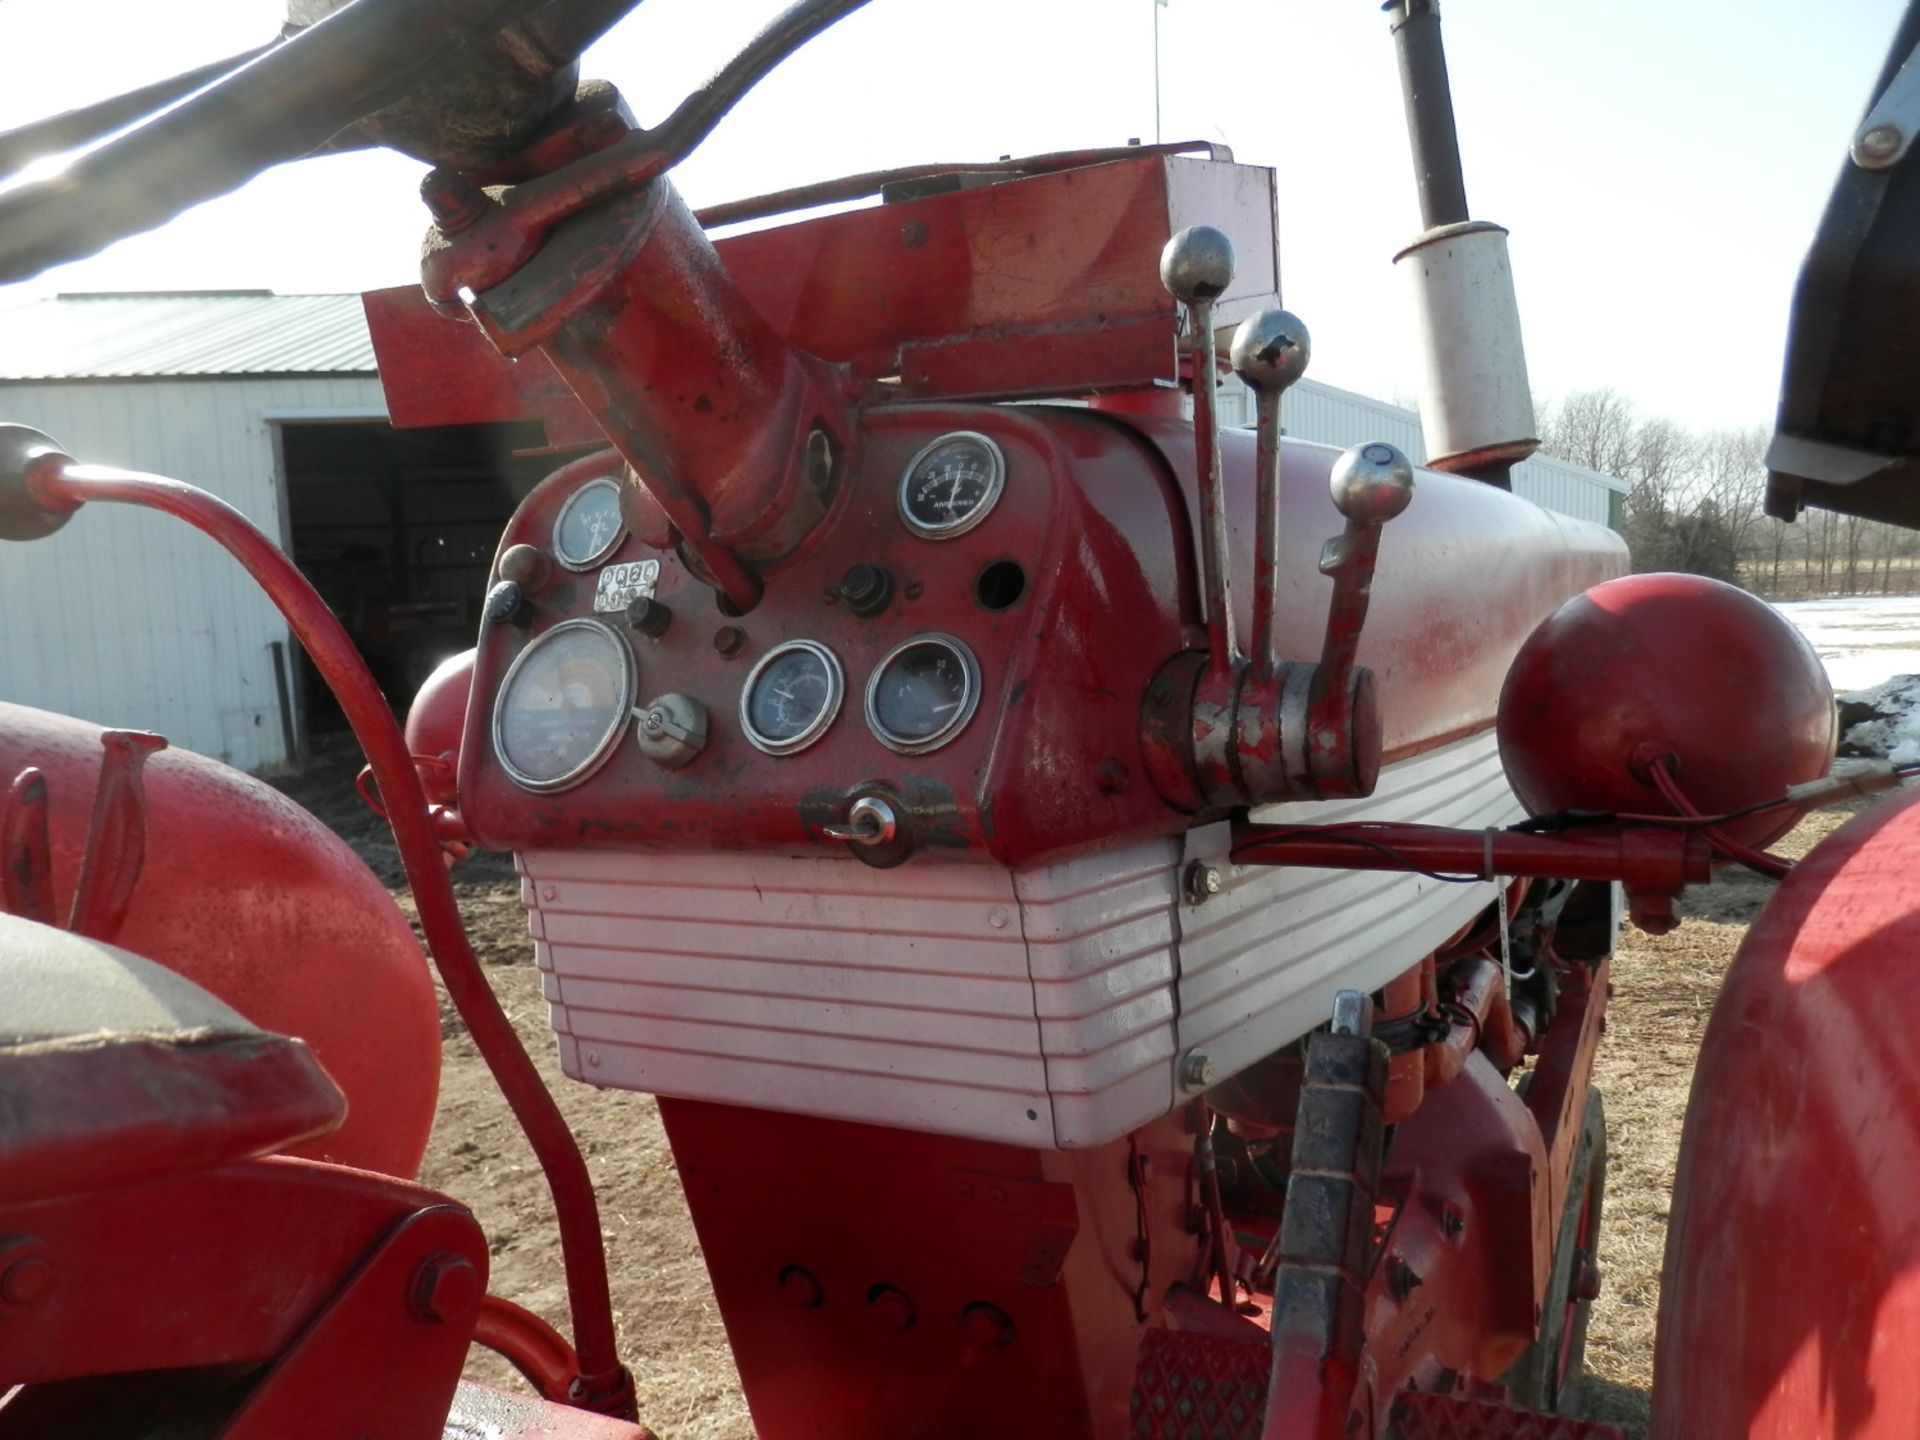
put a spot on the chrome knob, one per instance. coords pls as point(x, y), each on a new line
point(1371, 483)
point(1196, 265)
point(1271, 349)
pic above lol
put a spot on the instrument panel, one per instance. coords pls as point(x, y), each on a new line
point(890, 660)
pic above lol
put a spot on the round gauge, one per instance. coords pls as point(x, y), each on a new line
point(791, 697)
point(952, 485)
point(922, 694)
point(589, 526)
point(563, 706)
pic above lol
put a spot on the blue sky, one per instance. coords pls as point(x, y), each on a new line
point(1660, 163)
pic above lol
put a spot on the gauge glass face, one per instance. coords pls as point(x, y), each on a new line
point(952, 485)
point(589, 526)
point(923, 694)
point(563, 705)
point(791, 697)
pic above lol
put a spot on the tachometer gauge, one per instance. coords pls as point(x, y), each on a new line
point(564, 705)
point(791, 697)
point(952, 485)
point(589, 526)
point(922, 694)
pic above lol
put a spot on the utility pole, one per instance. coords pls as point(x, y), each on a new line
point(1158, 6)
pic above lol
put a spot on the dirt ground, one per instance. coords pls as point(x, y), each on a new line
point(1664, 989)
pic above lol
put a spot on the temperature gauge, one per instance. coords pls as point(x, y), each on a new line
point(923, 694)
point(952, 485)
point(563, 705)
point(791, 697)
point(589, 527)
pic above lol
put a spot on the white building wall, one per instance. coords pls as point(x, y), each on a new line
point(130, 618)
point(1329, 415)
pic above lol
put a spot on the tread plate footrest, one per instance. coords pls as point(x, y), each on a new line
point(1421, 1416)
point(1189, 1386)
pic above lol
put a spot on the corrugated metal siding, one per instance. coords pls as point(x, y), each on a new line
point(1565, 489)
point(1329, 415)
point(129, 618)
point(72, 337)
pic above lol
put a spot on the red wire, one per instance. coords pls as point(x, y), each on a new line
point(1663, 780)
point(60, 485)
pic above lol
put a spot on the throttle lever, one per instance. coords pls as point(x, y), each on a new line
point(1370, 485)
point(1197, 267)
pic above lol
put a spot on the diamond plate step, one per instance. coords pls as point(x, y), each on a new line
point(1199, 1387)
point(1418, 1416)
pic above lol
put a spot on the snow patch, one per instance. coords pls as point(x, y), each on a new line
point(1883, 721)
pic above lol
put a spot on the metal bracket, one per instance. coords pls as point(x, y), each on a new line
point(1887, 133)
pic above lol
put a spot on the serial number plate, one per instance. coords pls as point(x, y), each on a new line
point(621, 585)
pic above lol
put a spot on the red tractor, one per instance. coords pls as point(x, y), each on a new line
point(1116, 912)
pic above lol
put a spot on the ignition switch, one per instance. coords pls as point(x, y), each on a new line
point(875, 830)
point(870, 821)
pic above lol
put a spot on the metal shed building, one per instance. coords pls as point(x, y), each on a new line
point(272, 403)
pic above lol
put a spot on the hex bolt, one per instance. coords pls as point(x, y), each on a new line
point(455, 201)
point(1586, 1279)
point(1197, 1070)
point(1200, 881)
point(801, 1288)
point(1879, 142)
point(985, 1327)
point(446, 1288)
point(891, 1307)
point(25, 1280)
point(1402, 1278)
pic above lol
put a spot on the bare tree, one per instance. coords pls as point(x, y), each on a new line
point(1594, 428)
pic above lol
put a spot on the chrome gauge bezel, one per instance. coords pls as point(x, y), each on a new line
point(608, 743)
point(604, 482)
point(969, 699)
point(948, 530)
point(836, 695)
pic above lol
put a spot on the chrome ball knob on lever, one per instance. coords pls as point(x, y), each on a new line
point(1271, 350)
point(1371, 483)
point(1196, 265)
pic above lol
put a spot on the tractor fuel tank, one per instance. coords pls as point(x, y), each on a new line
point(252, 898)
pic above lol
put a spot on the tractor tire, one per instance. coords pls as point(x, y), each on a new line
point(1547, 1376)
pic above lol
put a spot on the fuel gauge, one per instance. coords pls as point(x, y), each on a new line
point(951, 486)
point(589, 526)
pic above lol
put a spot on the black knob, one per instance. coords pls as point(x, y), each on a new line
point(507, 604)
point(648, 616)
point(866, 589)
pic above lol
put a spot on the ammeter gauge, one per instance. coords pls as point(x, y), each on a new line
point(923, 694)
point(563, 706)
point(791, 697)
point(951, 485)
point(589, 526)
